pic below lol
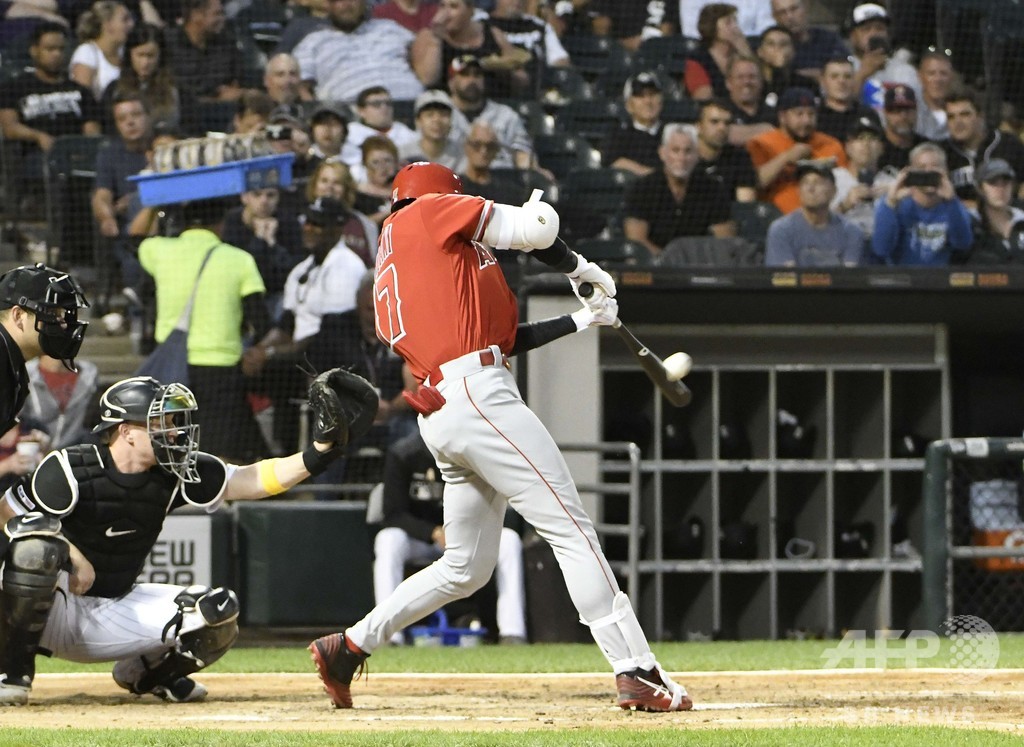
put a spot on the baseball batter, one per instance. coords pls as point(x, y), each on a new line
point(78, 531)
point(444, 305)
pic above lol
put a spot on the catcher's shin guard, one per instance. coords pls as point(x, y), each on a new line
point(195, 649)
point(34, 558)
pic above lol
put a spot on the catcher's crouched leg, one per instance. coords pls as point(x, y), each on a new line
point(210, 620)
point(33, 554)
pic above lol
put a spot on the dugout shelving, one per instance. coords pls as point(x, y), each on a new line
point(872, 394)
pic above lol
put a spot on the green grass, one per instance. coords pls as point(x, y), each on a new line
point(668, 737)
point(682, 657)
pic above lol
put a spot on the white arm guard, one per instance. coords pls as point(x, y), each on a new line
point(532, 226)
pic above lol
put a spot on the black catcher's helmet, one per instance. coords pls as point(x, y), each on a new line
point(55, 298)
point(144, 400)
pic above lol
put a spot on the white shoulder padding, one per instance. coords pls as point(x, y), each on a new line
point(532, 226)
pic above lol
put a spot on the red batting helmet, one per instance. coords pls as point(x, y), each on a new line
point(422, 178)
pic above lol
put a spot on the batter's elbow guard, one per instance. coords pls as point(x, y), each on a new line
point(532, 226)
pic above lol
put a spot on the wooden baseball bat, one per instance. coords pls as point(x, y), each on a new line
point(676, 392)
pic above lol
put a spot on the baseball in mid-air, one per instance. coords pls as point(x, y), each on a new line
point(678, 365)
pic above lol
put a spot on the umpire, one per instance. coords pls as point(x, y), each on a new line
point(38, 314)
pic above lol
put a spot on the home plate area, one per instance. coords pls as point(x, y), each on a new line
point(992, 699)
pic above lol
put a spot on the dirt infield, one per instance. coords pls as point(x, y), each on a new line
point(520, 702)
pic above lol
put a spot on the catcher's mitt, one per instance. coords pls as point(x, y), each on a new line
point(344, 406)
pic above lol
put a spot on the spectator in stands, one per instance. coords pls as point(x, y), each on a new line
point(753, 16)
point(252, 112)
point(102, 31)
point(751, 115)
point(434, 126)
point(415, 15)
point(456, 33)
point(22, 17)
point(900, 137)
point(357, 51)
point(202, 53)
point(302, 25)
point(840, 107)
point(722, 161)
point(229, 300)
point(413, 530)
point(15, 462)
point(861, 181)
point(328, 125)
point(937, 81)
point(375, 111)
point(271, 235)
point(921, 225)
point(877, 66)
point(334, 180)
point(482, 147)
point(776, 54)
point(998, 224)
point(471, 102)
point(775, 153)
point(60, 398)
point(630, 23)
point(349, 339)
point(678, 200)
point(41, 104)
point(722, 41)
point(115, 202)
point(971, 142)
point(531, 33)
point(814, 235)
point(145, 73)
point(323, 283)
point(282, 82)
point(633, 146)
point(379, 166)
point(814, 45)
point(122, 156)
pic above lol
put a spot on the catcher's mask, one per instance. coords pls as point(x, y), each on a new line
point(55, 298)
point(166, 410)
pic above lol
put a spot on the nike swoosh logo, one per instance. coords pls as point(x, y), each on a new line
point(111, 533)
point(222, 605)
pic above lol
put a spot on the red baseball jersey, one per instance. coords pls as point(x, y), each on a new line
point(439, 292)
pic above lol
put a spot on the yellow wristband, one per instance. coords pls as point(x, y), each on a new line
point(268, 477)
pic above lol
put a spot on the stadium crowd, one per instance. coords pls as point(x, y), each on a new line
point(647, 124)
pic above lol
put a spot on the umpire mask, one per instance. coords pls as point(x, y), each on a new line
point(174, 436)
point(54, 298)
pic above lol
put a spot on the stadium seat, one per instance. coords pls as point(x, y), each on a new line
point(263, 21)
point(530, 180)
point(560, 85)
point(680, 110)
point(752, 220)
point(69, 177)
point(614, 252)
point(959, 28)
point(561, 152)
point(594, 55)
point(404, 109)
point(1003, 31)
point(709, 251)
point(667, 53)
point(591, 201)
point(535, 119)
point(591, 119)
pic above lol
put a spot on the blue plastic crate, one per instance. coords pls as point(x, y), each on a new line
point(231, 178)
point(439, 633)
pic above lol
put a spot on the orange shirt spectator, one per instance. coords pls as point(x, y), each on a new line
point(775, 153)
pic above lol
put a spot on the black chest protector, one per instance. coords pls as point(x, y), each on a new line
point(117, 518)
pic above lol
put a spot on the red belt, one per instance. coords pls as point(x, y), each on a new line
point(487, 360)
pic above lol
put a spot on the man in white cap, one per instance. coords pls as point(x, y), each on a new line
point(877, 65)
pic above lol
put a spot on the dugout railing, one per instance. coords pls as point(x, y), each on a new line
point(973, 544)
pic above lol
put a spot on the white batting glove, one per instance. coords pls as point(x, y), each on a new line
point(588, 272)
point(598, 315)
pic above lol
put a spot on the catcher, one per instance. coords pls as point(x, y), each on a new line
point(78, 531)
